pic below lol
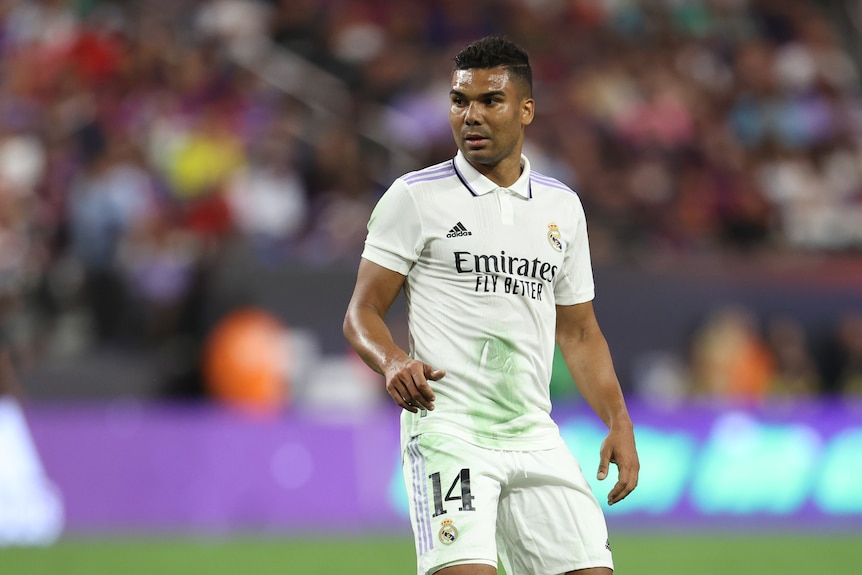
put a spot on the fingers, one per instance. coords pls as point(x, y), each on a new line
point(604, 463)
point(412, 401)
point(409, 386)
point(619, 449)
point(625, 484)
point(403, 402)
point(434, 374)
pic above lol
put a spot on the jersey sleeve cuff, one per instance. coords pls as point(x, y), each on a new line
point(386, 259)
point(575, 299)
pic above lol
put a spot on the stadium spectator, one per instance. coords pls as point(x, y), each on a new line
point(796, 372)
point(730, 359)
point(849, 357)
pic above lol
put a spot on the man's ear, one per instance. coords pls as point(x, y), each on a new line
point(528, 111)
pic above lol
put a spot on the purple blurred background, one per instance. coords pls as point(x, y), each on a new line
point(131, 468)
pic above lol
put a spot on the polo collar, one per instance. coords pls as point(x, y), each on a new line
point(480, 185)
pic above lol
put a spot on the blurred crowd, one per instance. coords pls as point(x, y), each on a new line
point(139, 138)
point(736, 354)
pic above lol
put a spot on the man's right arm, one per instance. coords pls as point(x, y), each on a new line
point(366, 330)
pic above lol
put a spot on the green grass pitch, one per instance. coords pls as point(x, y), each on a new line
point(635, 554)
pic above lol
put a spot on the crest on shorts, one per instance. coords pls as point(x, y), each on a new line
point(448, 532)
point(554, 237)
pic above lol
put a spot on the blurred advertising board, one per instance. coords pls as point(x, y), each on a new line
point(131, 466)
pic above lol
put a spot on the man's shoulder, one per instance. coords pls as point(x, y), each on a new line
point(539, 180)
point(432, 173)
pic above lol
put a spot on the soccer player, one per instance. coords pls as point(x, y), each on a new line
point(494, 263)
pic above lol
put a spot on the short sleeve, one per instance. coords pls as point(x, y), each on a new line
point(394, 238)
point(576, 285)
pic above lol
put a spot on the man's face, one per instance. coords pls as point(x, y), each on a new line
point(488, 112)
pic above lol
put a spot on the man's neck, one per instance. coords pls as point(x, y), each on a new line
point(504, 173)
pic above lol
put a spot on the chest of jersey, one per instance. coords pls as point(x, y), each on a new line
point(497, 243)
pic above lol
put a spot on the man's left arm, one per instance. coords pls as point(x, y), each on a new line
point(588, 359)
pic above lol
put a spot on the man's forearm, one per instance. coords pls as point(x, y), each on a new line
point(368, 334)
point(591, 367)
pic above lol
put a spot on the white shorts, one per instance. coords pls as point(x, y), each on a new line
point(533, 509)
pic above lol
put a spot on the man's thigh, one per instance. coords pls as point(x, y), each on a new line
point(453, 489)
point(548, 519)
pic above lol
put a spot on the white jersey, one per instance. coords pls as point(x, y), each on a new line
point(485, 268)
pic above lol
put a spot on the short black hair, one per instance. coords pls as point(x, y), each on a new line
point(496, 51)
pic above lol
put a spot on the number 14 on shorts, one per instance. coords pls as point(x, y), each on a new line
point(462, 478)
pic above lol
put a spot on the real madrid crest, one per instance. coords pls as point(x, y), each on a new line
point(448, 532)
point(554, 237)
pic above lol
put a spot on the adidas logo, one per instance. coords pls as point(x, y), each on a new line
point(458, 230)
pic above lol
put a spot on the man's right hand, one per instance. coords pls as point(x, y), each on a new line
point(407, 384)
